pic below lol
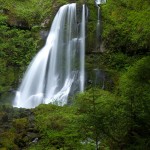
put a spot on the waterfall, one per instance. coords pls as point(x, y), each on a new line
point(58, 68)
point(98, 30)
point(82, 52)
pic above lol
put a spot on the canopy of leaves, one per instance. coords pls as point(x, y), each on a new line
point(127, 25)
point(102, 117)
point(135, 88)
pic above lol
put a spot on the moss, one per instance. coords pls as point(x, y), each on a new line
point(7, 140)
point(20, 124)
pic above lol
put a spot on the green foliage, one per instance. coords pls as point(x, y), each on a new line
point(101, 118)
point(32, 11)
point(137, 75)
point(7, 140)
point(20, 124)
point(19, 48)
point(16, 50)
point(126, 26)
point(16, 127)
point(135, 88)
point(91, 27)
point(57, 126)
point(120, 121)
point(116, 61)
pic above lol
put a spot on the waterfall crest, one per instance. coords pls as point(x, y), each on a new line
point(58, 68)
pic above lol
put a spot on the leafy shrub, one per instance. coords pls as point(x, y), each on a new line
point(135, 88)
point(57, 127)
point(101, 118)
point(126, 26)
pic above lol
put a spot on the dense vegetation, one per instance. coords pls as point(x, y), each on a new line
point(115, 117)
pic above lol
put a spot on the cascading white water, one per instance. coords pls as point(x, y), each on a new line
point(58, 65)
point(82, 52)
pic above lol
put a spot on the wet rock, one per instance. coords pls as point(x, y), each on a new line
point(45, 23)
point(99, 78)
point(44, 34)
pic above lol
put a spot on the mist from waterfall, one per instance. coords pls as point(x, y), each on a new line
point(58, 68)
